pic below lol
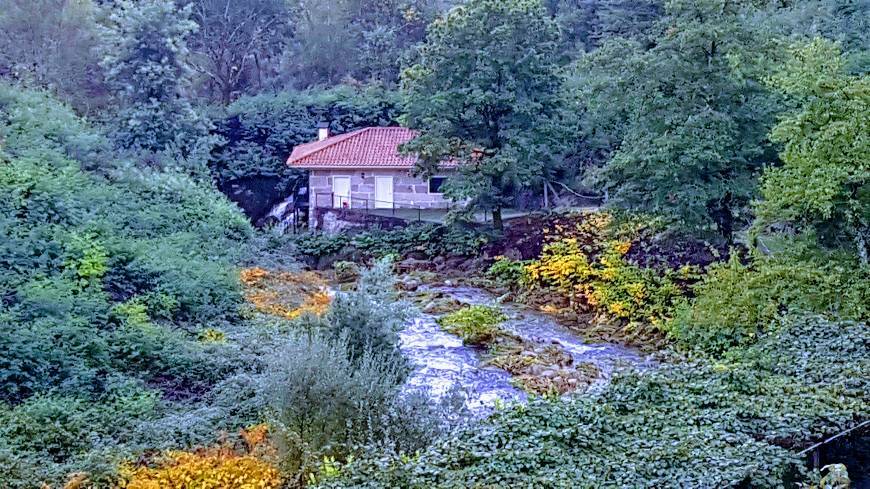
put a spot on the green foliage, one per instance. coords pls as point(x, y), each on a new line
point(824, 183)
point(146, 65)
point(371, 316)
point(323, 404)
point(476, 325)
point(259, 132)
point(106, 275)
point(847, 23)
point(836, 477)
point(697, 424)
point(54, 44)
point(735, 303)
point(507, 272)
point(680, 127)
point(588, 261)
point(588, 23)
point(484, 94)
point(321, 244)
point(366, 39)
point(429, 239)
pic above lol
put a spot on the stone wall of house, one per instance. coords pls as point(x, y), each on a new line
point(408, 191)
point(332, 221)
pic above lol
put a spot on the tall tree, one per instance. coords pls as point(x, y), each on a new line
point(237, 41)
point(586, 24)
point(146, 62)
point(323, 47)
point(844, 21)
point(691, 129)
point(51, 44)
point(364, 40)
point(824, 182)
point(484, 95)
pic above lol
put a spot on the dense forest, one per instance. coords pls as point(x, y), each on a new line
point(157, 331)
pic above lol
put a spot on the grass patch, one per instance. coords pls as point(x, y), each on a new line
point(476, 325)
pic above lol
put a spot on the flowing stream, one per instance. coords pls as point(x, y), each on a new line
point(443, 363)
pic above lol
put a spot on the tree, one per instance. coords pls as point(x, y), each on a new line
point(235, 40)
point(691, 129)
point(844, 21)
point(824, 181)
point(322, 48)
point(484, 95)
point(363, 40)
point(51, 43)
point(586, 24)
point(146, 64)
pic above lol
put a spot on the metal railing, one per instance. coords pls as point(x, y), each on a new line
point(399, 210)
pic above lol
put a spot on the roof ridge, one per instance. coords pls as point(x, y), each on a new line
point(365, 147)
point(326, 143)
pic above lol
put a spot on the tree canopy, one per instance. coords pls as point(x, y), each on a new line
point(484, 93)
point(824, 182)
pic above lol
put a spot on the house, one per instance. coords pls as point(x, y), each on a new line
point(364, 170)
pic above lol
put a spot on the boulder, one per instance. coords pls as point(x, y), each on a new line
point(411, 264)
point(417, 255)
point(346, 271)
point(513, 254)
point(348, 253)
point(442, 305)
point(548, 374)
point(408, 284)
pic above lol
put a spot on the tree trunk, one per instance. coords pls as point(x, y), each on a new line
point(497, 222)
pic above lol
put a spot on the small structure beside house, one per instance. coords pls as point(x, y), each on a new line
point(363, 170)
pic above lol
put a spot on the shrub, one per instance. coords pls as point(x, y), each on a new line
point(370, 317)
point(426, 238)
point(107, 273)
point(735, 303)
point(606, 281)
point(60, 429)
point(346, 271)
point(476, 325)
point(506, 271)
point(287, 295)
point(323, 403)
point(209, 468)
point(321, 244)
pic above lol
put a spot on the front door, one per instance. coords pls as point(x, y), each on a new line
point(341, 192)
point(383, 192)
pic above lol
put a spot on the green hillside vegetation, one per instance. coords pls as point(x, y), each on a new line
point(155, 331)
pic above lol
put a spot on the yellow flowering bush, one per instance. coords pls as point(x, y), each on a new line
point(603, 280)
point(221, 467)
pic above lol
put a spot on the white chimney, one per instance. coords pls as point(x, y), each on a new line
point(322, 130)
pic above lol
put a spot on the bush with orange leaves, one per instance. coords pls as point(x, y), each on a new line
point(221, 467)
point(285, 294)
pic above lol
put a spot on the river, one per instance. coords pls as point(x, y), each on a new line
point(442, 363)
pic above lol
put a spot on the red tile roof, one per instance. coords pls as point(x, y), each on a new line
point(372, 147)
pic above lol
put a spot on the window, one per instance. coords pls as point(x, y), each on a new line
point(435, 184)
